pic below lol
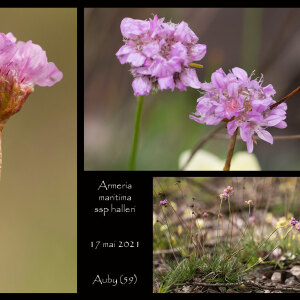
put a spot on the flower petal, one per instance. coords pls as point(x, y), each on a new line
point(132, 28)
point(240, 73)
point(166, 83)
point(141, 86)
point(265, 135)
point(136, 59)
point(184, 34)
point(189, 78)
point(197, 52)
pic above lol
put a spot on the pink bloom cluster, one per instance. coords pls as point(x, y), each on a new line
point(160, 54)
point(228, 191)
point(243, 103)
point(22, 65)
point(223, 197)
point(252, 219)
point(249, 202)
point(294, 223)
point(164, 202)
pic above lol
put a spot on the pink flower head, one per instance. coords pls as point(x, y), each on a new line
point(294, 223)
point(164, 202)
point(205, 215)
point(22, 66)
point(249, 202)
point(160, 54)
point(223, 197)
point(220, 216)
point(252, 219)
point(228, 191)
point(242, 103)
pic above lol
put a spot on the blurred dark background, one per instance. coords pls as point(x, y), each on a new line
point(263, 39)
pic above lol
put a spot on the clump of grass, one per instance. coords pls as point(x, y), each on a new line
point(227, 262)
point(180, 273)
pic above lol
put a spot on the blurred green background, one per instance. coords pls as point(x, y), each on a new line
point(38, 223)
point(266, 40)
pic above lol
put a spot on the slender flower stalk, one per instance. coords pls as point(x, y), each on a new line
point(140, 101)
point(230, 152)
point(267, 255)
point(169, 238)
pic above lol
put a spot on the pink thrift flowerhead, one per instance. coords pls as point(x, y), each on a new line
point(293, 222)
point(205, 215)
point(22, 66)
point(252, 219)
point(242, 103)
point(223, 197)
point(228, 191)
point(160, 54)
point(220, 216)
point(249, 202)
point(164, 202)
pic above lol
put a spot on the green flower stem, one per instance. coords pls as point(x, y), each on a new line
point(140, 101)
point(218, 229)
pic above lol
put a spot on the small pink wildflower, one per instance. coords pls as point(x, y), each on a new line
point(164, 202)
point(242, 103)
point(223, 197)
point(220, 216)
point(294, 222)
point(228, 191)
point(252, 219)
point(249, 202)
point(205, 215)
point(160, 54)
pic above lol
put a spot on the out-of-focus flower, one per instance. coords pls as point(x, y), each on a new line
point(260, 260)
point(223, 197)
point(298, 226)
point(179, 229)
point(252, 219)
point(173, 239)
point(249, 202)
point(228, 191)
point(154, 219)
point(220, 216)
point(206, 161)
point(163, 227)
point(188, 213)
point(163, 203)
point(160, 54)
point(22, 66)
point(199, 223)
point(293, 222)
point(282, 222)
point(205, 215)
point(242, 103)
point(173, 205)
point(269, 217)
